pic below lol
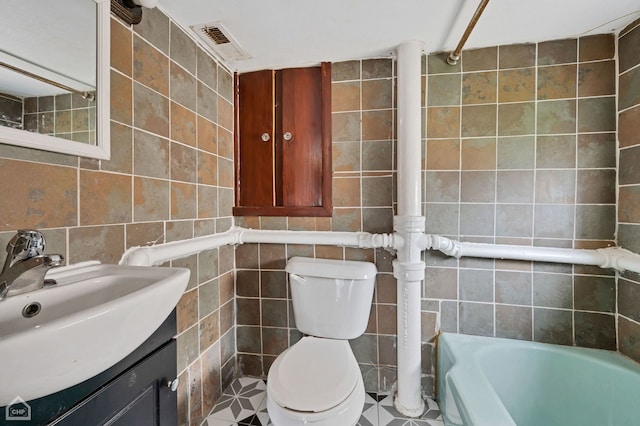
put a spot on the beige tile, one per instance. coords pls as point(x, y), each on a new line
point(516, 85)
point(104, 198)
point(151, 155)
point(182, 160)
point(195, 392)
point(182, 86)
point(183, 201)
point(348, 70)
point(183, 124)
point(182, 48)
point(346, 192)
point(207, 169)
point(443, 122)
point(329, 252)
point(207, 135)
point(346, 126)
point(377, 68)
point(597, 47)
point(478, 120)
point(151, 111)
point(225, 113)
point(346, 219)
point(37, 203)
point(517, 56)
point(144, 234)
point(121, 50)
point(121, 160)
point(209, 331)
point(479, 154)
point(187, 310)
point(597, 79)
point(150, 199)
point(150, 66)
point(557, 52)
point(345, 156)
point(207, 201)
point(121, 98)
point(557, 82)
point(629, 126)
point(225, 143)
point(377, 125)
point(629, 204)
point(102, 243)
point(211, 386)
point(443, 154)
point(480, 59)
point(345, 96)
point(479, 87)
point(377, 94)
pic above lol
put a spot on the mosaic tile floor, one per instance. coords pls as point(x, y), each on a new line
point(244, 403)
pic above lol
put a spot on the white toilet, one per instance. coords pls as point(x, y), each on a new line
point(317, 381)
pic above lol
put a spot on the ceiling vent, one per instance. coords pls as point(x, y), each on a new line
point(220, 41)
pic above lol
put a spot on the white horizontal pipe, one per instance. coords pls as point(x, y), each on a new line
point(160, 253)
point(348, 239)
point(611, 257)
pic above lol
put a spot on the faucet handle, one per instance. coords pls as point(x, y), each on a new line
point(25, 244)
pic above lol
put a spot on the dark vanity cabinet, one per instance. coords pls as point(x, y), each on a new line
point(283, 142)
point(135, 392)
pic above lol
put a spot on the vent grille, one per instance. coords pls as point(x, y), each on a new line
point(216, 35)
point(217, 38)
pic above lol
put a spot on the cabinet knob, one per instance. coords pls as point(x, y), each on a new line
point(265, 137)
point(287, 136)
point(173, 384)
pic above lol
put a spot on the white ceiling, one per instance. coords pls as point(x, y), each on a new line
point(289, 33)
point(52, 39)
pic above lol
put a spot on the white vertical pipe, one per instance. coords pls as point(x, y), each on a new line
point(409, 128)
point(409, 225)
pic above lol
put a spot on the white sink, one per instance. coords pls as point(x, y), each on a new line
point(92, 318)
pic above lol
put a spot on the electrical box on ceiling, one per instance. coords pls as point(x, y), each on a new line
point(220, 41)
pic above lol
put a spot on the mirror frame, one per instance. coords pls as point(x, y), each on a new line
point(102, 149)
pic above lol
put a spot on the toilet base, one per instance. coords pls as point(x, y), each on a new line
point(346, 413)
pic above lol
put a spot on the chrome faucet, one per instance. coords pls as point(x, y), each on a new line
point(26, 265)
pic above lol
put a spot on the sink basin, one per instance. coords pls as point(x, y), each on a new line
point(92, 318)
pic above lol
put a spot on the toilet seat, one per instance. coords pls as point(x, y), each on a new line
point(313, 375)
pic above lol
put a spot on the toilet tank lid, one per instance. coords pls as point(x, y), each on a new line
point(331, 268)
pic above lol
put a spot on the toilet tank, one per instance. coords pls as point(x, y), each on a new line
point(331, 298)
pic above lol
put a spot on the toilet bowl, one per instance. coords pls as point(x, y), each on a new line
point(317, 381)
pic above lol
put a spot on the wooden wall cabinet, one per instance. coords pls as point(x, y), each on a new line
point(283, 142)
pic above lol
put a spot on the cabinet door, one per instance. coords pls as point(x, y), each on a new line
point(256, 139)
point(288, 171)
point(139, 396)
point(299, 159)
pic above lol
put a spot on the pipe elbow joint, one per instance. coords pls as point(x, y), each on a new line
point(137, 256)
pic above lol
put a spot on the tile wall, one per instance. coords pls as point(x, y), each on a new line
point(66, 116)
point(11, 111)
point(519, 148)
point(629, 185)
point(170, 177)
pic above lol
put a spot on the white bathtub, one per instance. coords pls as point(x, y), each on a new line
point(484, 381)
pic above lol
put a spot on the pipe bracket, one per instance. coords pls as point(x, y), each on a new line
point(409, 271)
point(409, 224)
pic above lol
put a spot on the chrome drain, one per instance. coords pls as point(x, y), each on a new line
point(31, 310)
